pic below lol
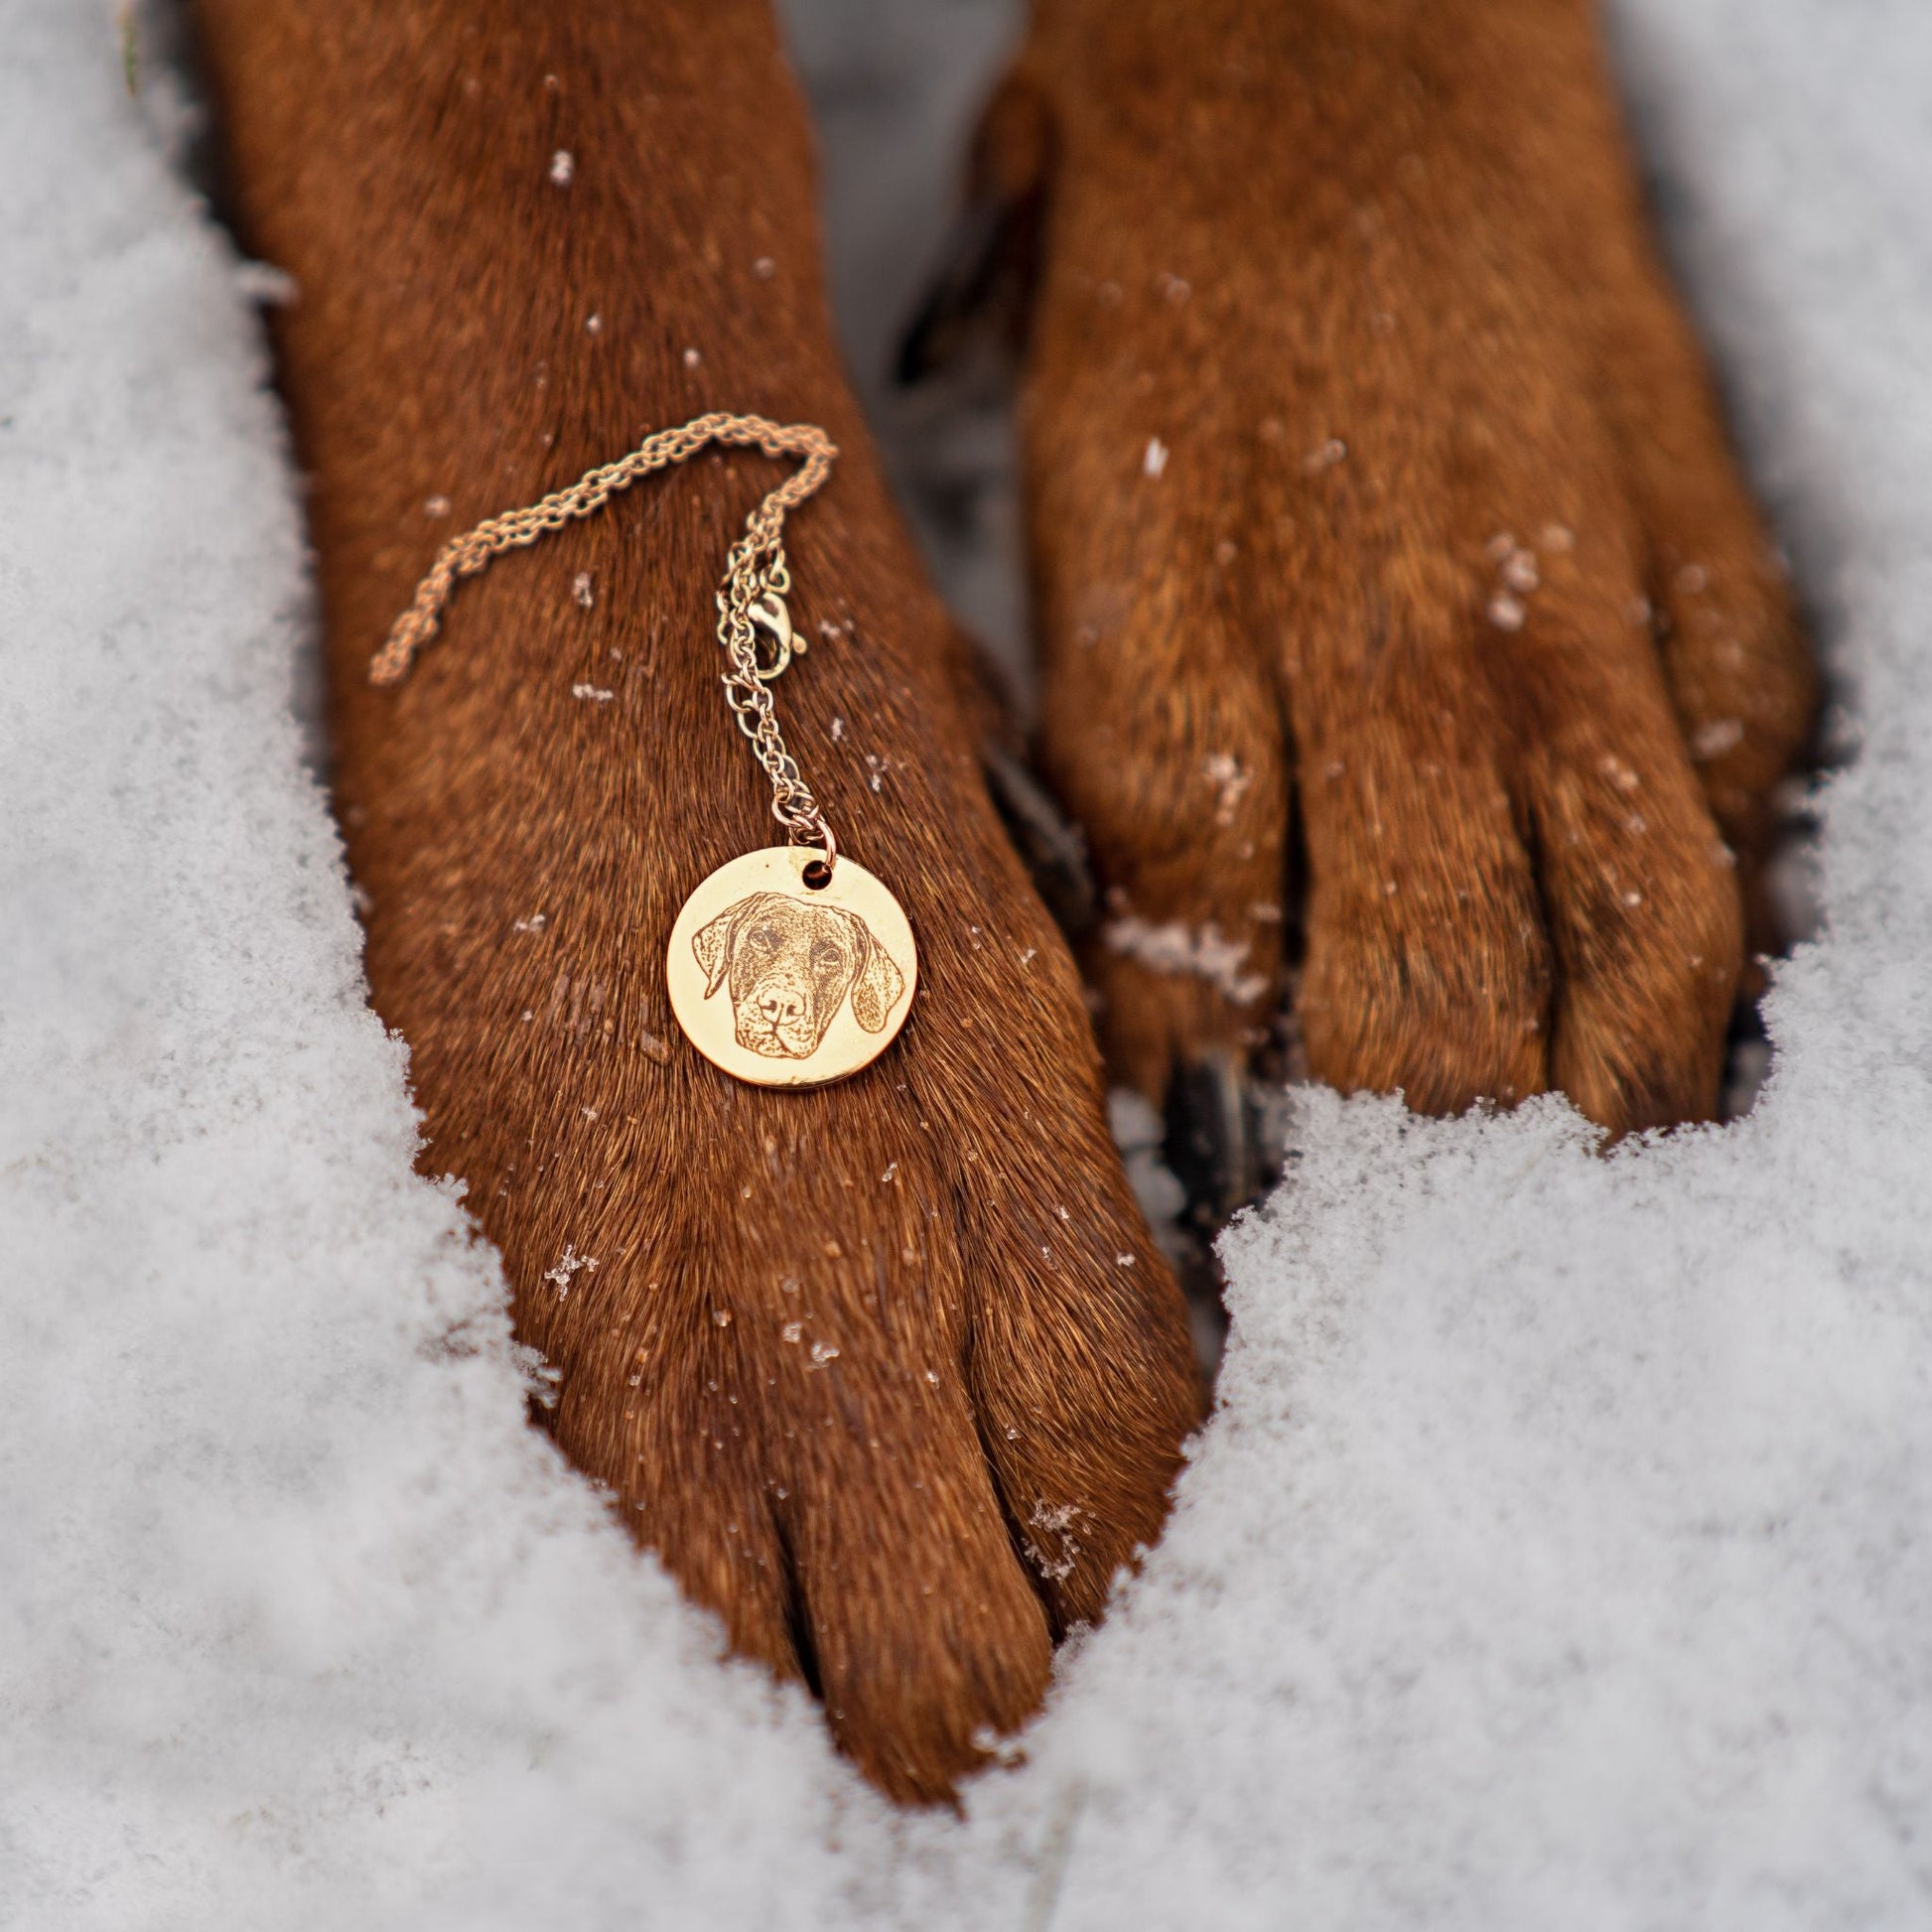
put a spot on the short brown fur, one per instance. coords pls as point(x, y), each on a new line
point(1011, 1366)
point(1376, 276)
point(891, 1374)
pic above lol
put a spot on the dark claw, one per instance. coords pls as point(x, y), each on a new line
point(1048, 841)
point(1213, 1141)
point(955, 308)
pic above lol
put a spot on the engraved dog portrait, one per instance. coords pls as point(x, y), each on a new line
point(789, 967)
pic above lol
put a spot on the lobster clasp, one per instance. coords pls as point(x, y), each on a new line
point(768, 611)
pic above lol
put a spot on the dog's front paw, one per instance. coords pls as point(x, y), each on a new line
point(888, 1371)
point(1399, 598)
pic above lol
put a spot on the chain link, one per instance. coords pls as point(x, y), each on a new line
point(753, 592)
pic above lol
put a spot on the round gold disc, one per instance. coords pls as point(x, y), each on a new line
point(786, 986)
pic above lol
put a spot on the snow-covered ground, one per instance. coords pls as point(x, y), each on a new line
point(1560, 1554)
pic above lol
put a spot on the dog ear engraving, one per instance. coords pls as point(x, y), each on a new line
point(713, 943)
point(876, 991)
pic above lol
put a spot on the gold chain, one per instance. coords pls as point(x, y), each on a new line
point(750, 597)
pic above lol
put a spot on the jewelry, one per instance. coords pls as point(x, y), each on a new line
point(813, 955)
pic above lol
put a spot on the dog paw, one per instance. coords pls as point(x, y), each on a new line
point(1409, 634)
point(890, 1372)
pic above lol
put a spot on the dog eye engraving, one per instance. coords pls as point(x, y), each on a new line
point(789, 967)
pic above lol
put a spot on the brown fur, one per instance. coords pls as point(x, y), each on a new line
point(890, 1373)
point(846, 1358)
point(1377, 274)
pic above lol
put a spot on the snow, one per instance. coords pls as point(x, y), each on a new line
point(1176, 950)
point(1558, 1553)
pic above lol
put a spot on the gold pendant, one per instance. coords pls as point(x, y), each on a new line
point(784, 984)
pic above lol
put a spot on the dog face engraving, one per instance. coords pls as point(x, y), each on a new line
point(789, 966)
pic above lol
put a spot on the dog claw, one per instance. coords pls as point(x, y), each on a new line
point(1048, 842)
point(1213, 1142)
point(954, 305)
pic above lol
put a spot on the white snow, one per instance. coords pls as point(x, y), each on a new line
point(1175, 949)
point(1560, 1553)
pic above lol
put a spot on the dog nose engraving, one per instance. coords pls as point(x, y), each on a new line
point(783, 1008)
point(776, 1002)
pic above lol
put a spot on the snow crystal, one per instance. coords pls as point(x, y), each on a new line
point(1714, 740)
point(1557, 1554)
point(262, 282)
point(1230, 778)
point(566, 1269)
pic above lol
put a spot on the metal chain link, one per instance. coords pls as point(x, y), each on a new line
point(750, 598)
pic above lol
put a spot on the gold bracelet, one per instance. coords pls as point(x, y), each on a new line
point(816, 955)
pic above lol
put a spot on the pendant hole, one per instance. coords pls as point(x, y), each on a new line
point(816, 874)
